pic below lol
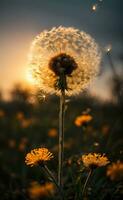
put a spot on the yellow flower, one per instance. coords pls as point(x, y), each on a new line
point(38, 156)
point(2, 113)
point(25, 123)
point(105, 129)
point(21, 147)
point(64, 49)
point(12, 143)
point(22, 144)
point(115, 171)
point(20, 116)
point(37, 191)
point(83, 119)
point(93, 160)
point(52, 132)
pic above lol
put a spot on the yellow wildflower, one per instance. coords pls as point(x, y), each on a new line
point(83, 119)
point(93, 160)
point(105, 129)
point(2, 113)
point(52, 132)
point(115, 171)
point(37, 191)
point(24, 140)
point(22, 144)
point(38, 156)
point(11, 143)
point(20, 116)
point(25, 123)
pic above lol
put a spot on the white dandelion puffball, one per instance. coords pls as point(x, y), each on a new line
point(70, 49)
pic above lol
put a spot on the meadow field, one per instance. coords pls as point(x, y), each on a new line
point(27, 124)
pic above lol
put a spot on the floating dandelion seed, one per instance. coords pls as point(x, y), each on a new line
point(96, 144)
point(41, 95)
point(68, 50)
point(44, 97)
point(108, 48)
point(94, 7)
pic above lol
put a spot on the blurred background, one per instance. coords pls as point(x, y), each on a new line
point(25, 115)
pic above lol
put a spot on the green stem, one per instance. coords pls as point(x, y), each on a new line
point(53, 179)
point(86, 182)
point(61, 138)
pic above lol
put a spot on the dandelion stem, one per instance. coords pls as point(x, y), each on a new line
point(86, 182)
point(61, 137)
point(53, 179)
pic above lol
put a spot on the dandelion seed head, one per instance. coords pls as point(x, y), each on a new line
point(93, 160)
point(62, 62)
point(70, 49)
point(38, 156)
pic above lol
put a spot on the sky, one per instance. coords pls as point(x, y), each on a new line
point(22, 20)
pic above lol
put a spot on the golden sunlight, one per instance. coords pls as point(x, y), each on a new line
point(29, 78)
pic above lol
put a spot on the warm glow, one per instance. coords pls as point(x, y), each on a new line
point(14, 60)
point(94, 7)
point(29, 78)
point(108, 48)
